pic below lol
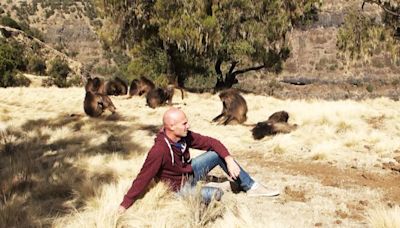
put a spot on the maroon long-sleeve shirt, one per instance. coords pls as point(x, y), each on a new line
point(160, 165)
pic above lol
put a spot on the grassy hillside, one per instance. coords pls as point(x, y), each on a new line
point(61, 168)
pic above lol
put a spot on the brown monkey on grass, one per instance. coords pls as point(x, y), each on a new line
point(96, 85)
point(276, 123)
point(281, 116)
point(116, 87)
point(160, 96)
point(234, 109)
point(122, 85)
point(140, 86)
point(95, 104)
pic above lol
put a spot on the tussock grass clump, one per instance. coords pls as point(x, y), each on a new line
point(278, 150)
point(382, 217)
point(14, 213)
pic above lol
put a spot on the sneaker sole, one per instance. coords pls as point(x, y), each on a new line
point(270, 194)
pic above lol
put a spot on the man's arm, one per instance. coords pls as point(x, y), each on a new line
point(208, 143)
point(233, 167)
point(149, 170)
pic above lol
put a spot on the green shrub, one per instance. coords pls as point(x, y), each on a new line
point(36, 47)
point(105, 70)
point(75, 81)
point(8, 21)
point(370, 88)
point(90, 11)
point(21, 80)
point(49, 13)
point(333, 67)
point(36, 65)
point(7, 79)
point(11, 59)
point(59, 46)
point(395, 82)
point(200, 82)
point(58, 72)
point(72, 53)
point(361, 37)
point(12, 78)
point(96, 23)
point(33, 32)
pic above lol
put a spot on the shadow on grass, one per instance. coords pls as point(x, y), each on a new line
point(38, 178)
point(151, 129)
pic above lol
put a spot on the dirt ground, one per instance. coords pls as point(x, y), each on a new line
point(342, 196)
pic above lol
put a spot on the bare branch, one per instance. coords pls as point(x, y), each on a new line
point(248, 69)
point(233, 65)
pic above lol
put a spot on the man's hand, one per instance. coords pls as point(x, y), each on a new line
point(233, 167)
point(121, 210)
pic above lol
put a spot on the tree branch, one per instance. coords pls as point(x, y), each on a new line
point(218, 68)
point(248, 69)
point(233, 65)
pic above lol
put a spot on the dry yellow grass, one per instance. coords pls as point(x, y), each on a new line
point(72, 171)
point(382, 217)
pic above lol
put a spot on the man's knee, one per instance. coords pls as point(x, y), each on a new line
point(212, 154)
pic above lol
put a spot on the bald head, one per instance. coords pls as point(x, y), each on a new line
point(175, 123)
point(172, 116)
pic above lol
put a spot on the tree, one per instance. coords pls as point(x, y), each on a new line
point(363, 36)
point(11, 60)
point(248, 35)
point(58, 72)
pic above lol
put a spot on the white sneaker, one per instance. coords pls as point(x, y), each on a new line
point(260, 190)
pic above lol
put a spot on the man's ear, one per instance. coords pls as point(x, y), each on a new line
point(169, 127)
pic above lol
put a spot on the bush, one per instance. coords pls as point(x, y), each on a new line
point(12, 78)
point(8, 21)
point(11, 57)
point(200, 82)
point(33, 32)
point(370, 88)
point(21, 80)
point(18, 55)
point(7, 79)
point(72, 53)
point(361, 37)
point(58, 72)
point(36, 65)
point(75, 81)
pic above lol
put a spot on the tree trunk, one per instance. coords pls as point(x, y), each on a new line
point(230, 77)
point(220, 77)
point(174, 72)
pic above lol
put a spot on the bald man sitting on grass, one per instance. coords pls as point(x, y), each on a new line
point(169, 161)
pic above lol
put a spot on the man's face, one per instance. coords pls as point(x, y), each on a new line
point(181, 126)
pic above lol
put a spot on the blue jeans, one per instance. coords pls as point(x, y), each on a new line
point(205, 162)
